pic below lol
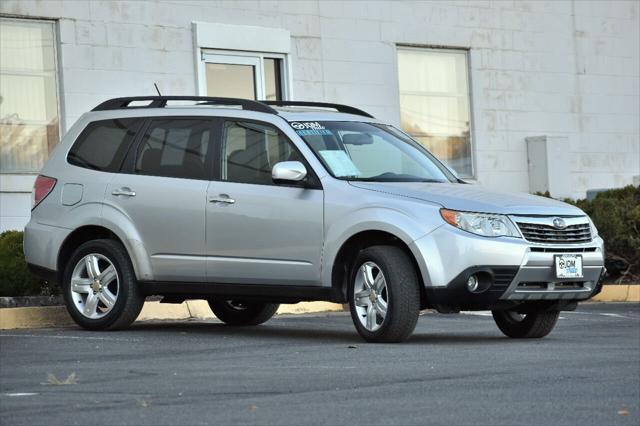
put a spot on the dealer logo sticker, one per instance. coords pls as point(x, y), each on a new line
point(307, 125)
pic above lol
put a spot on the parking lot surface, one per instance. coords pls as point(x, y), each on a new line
point(314, 369)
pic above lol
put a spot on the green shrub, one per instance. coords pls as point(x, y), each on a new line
point(15, 278)
point(616, 214)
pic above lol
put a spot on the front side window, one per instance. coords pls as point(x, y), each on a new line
point(434, 103)
point(176, 148)
point(29, 127)
point(103, 144)
point(370, 152)
point(250, 150)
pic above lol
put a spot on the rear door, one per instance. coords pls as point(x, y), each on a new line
point(259, 232)
point(97, 154)
point(163, 193)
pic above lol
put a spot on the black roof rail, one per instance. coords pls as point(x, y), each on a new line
point(161, 102)
point(340, 108)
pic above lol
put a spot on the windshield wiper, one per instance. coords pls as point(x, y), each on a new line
point(390, 179)
point(394, 177)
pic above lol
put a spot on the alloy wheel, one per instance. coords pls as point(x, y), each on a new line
point(370, 296)
point(238, 306)
point(515, 316)
point(95, 286)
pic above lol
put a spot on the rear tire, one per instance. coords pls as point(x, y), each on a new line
point(384, 294)
point(100, 287)
point(236, 312)
point(528, 326)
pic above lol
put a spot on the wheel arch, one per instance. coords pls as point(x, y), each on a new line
point(346, 255)
point(78, 237)
point(122, 226)
point(90, 232)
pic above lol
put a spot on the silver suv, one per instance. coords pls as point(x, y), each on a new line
point(250, 204)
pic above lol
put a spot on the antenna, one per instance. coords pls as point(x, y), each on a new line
point(157, 90)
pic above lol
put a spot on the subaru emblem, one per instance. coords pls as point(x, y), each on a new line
point(559, 223)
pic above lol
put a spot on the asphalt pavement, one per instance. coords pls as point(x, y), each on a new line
point(314, 369)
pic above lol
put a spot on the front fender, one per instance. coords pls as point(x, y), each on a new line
point(402, 225)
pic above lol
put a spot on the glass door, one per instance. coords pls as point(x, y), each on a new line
point(246, 75)
point(233, 76)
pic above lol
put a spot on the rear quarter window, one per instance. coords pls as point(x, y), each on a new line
point(102, 145)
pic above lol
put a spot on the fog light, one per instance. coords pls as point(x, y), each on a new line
point(472, 283)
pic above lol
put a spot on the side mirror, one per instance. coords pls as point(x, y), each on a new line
point(288, 171)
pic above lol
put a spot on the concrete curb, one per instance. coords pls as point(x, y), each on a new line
point(34, 317)
point(200, 309)
point(57, 316)
point(619, 293)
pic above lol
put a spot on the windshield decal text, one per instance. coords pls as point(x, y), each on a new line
point(304, 125)
point(309, 128)
point(312, 132)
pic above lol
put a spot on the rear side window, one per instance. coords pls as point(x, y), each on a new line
point(177, 148)
point(102, 145)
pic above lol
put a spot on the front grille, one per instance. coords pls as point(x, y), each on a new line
point(539, 233)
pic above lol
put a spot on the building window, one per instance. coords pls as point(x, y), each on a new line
point(29, 125)
point(434, 103)
point(245, 75)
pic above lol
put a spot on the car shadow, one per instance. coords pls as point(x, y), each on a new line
point(308, 335)
point(265, 331)
point(453, 338)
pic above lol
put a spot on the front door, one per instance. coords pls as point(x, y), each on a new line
point(163, 193)
point(259, 232)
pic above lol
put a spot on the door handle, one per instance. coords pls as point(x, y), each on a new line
point(127, 192)
point(222, 198)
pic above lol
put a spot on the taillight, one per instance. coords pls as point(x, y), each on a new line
point(43, 186)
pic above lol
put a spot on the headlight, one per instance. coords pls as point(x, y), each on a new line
point(484, 224)
point(594, 230)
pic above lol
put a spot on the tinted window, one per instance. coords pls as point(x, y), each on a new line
point(175, 148)
point(250, 151)
point(103, 144)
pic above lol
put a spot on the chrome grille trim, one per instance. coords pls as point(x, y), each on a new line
point(542, 231)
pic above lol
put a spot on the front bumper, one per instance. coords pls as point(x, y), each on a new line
point(513, 271)
point(536, 278)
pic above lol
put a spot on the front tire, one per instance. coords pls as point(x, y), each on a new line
point(384, 295)
point(100, 287)
point(526, 326)
point(236, 312)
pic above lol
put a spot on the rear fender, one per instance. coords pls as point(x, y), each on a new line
point(120, 224)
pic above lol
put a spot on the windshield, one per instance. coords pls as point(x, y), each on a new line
point(370, 152)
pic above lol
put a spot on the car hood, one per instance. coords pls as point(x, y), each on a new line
point(473, 198)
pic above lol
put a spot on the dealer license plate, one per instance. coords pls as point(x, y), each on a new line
point(568, 266)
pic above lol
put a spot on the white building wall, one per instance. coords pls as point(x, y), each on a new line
point(555, 68)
